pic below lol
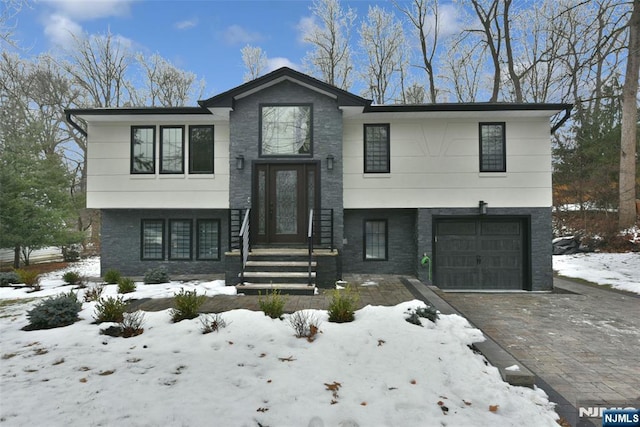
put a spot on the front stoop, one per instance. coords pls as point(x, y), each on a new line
point(285, 270)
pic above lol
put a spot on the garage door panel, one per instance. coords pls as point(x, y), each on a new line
point(479, 254)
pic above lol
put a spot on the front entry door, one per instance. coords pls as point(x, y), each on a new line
point(284, 193)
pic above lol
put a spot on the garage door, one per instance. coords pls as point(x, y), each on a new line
point(479, 254)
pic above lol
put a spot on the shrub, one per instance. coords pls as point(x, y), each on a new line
point(273, 304)
point(156, 275)
point(427, 312)
point(343, 305)
point(73, 278)
point(131, 324)
point(126, 285)
point(54, 312)
point(29, 277)
point(112, 276)
point(305, 324)
point(110, 309)
point(93, 293)
point(212, 323)
point(9, 278)
point(187, 304)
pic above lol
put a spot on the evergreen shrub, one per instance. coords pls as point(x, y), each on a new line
point(343, 305)
point(273, 304)
point(156, 275)
point(187, 304)
point(54, 312)
point(126, 285)
point(110, 309)
point(112, 276)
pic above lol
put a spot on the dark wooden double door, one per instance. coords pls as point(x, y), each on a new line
point(283, 194)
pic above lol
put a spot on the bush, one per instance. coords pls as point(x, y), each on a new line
point(343, 305)
point(212, 323)
point(126, 285)
point(9, 278)
point(110, 309)
point(132, 324)
point(305, 324)
point(187, 304)
point(54, 312)
point(73, 278)
point(427, 312)
point(156, 275)
point(93, 293)
point(29, 277)
point(273, 304)
point(112, 276)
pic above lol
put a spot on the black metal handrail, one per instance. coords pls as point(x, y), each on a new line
point(323, 229)
point(310, 242)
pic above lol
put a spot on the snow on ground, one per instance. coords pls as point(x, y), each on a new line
point(378, 370)
point(620, 271)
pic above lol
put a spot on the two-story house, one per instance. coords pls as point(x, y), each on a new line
point(466, 185)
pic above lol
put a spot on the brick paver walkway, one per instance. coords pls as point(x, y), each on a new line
point(585, 344)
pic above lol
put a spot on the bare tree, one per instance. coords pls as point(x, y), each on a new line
point(415, 94)
point(8, 12)
point(330, 58)
point(462, 66)
point(165, 85)
point(627, 208)
point(255, 61)
point(382, 42)
point(427, 35)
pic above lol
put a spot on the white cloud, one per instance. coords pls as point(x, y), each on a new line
point(449, 20)
point(186, 24)
point(278, 62)
point(305, 26)
point(60, 29)
point(84, 10)
point(235, 34)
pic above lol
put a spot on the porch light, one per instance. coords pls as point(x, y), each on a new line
point(240, 162)
point(330, 162)
point(482, 207)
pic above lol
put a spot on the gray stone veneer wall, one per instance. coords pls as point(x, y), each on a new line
point(540, 235)
point(244, 131)
point(120, 241)
point(402, 253)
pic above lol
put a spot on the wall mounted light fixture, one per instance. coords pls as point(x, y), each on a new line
point(330, 160)
point(240, 162)
point(482, 207)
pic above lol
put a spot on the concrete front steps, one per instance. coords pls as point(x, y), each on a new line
point(282, 269)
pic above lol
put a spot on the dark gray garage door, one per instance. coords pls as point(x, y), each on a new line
point(479, 254)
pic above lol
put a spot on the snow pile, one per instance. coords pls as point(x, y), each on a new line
point(620, 271)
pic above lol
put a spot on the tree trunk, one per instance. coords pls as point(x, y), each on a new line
point(627, 205)
point(16, 256)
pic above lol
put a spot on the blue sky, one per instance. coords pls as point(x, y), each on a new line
point(201, 36)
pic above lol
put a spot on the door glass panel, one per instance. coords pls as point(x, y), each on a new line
point(286, 202)
point(262, 202)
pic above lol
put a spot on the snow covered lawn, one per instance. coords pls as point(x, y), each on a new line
point(378, 370)
point(620, 271)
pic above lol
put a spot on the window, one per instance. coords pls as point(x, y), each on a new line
point(492, 148)
point(285, 130)
point(152, 239)
point(201, 149)
point(375, 239)
point(377, 149)
point(208, 239)
point(171, 149)
point(180, 239)
point(143, 149)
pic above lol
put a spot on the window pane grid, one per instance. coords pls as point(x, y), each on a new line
point(152, 239)
point(208, 239)
point(201, 149)
point(172, 150)
point(492, 155)
point(375, 240)
point(286, 130)
point(142, 149)
point(180, 234)
point(376, 148)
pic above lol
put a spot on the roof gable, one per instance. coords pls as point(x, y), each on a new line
point(227, 99)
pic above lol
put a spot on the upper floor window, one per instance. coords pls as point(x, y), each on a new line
point(171, 149)
point(493, 156)
point(143, 149)
point(201, 149)
point(285, 130)
point(377, 157)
